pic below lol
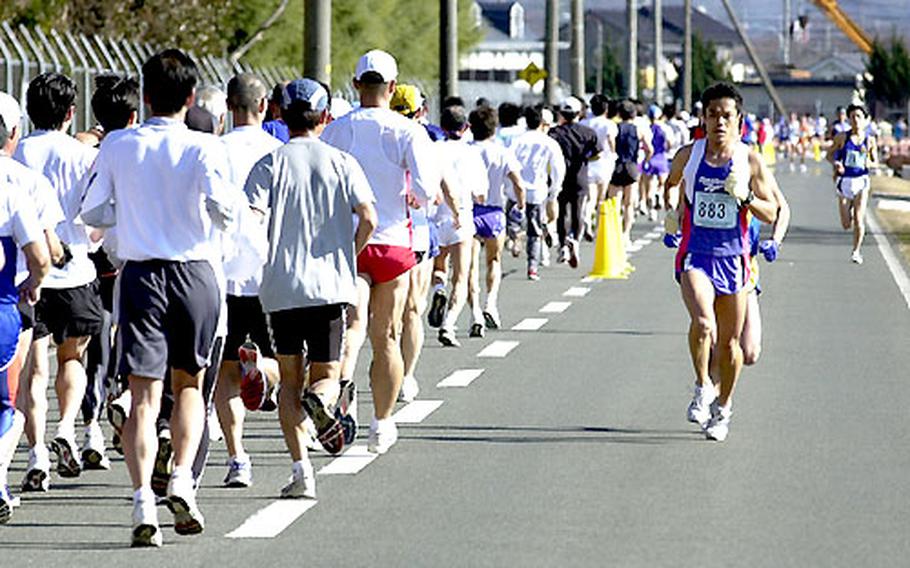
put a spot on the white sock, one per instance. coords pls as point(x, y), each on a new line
point(241, 457)
point(182, 471)
point(144, 493)
point(298, 467)
point(439, 288)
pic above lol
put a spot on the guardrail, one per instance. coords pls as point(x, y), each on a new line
point(25, 53)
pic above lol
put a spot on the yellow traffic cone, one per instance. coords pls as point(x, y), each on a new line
point(609, 251)
point(817, 150)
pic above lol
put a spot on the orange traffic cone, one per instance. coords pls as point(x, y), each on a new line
point(610, 260)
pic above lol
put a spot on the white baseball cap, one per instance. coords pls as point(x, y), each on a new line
point(571, 104)
point(10, 111)
point(378, 62)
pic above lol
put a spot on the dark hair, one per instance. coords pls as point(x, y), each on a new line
point(482, 102)
point(599, 104)
point(839, 110)
point(169, 79)
point(509, 114)
point(612, 108)
point(860, 108)
point(722, 90)
point(483, 122)
point(49, 97)
point(452, 119)
point(200, 120)
point(627, 110)
point(300, 116)
point(452, 100)
point(532, 117)
point(244, 92)
point(4, 133)
point(115, 100)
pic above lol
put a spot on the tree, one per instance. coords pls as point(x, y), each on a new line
point(614, 79)
point(707, 69)
point(889, 69)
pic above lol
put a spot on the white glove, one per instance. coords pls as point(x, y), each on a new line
point(733, 186)
point(671, 223)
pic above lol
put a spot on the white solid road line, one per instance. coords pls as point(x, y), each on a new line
point(498, 349)
point(652, 235)
point(576, 292)
point(270, 521)
point(894, 264)
point(460, 378)
point(352, 461)
point(530, 324)
point(555, 307)
point(416, 412)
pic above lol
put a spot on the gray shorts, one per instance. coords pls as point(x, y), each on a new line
point(168, 317)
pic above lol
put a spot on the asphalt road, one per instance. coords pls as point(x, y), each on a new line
point(573, 449)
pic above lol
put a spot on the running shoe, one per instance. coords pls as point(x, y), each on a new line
point(118, 410)
point(309, 435)
point(181, 500)
point(253, 383)
point(7, 503)
point(477, 330)
point(588, 235)
point(68, 462)
point(533, 275)
point(437, 308)
point(383, 435)
point(346, 410)
point(161, 474)
point(409, 389)
point(117, 443)
point(491, 318)
point(329, 431)
point(718, 426)
point(573, 253)
point(37, 473)
point(240, 473)
point(146, 531)
point(699, 410)
point(93, 452)
point(447, 338)
point(547, 238)
point(563, 255)
point(544, 256)
point(856, 257)
point(301, 484)
point(515, 249)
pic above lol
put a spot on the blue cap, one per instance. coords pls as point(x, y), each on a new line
point(306, 90)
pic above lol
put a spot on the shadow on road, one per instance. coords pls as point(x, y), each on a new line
point(550, 435)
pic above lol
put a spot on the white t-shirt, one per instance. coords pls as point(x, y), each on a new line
point(541, 161)
point(499, 161)
point(386, 145)
point(168, 185)
point(465, 173)
point(64, 161)
point(245, 146)
point(605, 129)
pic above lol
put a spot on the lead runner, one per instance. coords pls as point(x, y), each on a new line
point(724, 182)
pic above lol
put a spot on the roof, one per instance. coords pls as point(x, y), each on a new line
point(673, 25)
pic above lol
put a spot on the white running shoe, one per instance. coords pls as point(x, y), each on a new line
point(699, 410)
point(383, 435)
point(240, 473)
point(409, 389)
point(146, 531)
point(310, 440)
point(7, 503)
point(491, 318)
point(38, 472)
point(301, 484)
point(93, 451)
point(181, 500)
point(69, 462)
point(856, 257)
point(563, 255)
point(718, 426)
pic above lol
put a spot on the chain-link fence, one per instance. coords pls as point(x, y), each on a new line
point(26, 53)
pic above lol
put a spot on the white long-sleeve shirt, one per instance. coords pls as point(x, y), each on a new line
point(543, 166)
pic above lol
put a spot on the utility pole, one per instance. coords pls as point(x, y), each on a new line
point(578, 47)
point(551, 52)
point(317, 40)
point(448, 48)
point(687, 57)
point(632, 67)
point(786, 32)
point(599, 55)
point(658, 52)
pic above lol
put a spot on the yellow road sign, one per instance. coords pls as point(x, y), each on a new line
point(532, 74)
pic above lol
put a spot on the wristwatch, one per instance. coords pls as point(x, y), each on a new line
point(748, 199)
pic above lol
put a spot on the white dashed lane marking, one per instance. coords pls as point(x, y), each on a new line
point(576, 292)
point(529, 324)
point(416, 412)
point(498, 349)
point(460, 378)
point(352, 461)
point(555, 307)
point(270, 521)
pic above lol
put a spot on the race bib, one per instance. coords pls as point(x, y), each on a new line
point(855, 159)
point(715, 210)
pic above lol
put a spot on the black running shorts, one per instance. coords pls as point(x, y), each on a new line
point(246, 318)
point(69, 312)
point(317, 332)
point(168, 317)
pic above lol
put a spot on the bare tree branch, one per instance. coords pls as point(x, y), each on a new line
point(235, 55)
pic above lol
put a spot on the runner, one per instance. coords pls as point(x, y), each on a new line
point(580, 145)
point(19, 228)
point(70, 309)
point(503, 172)
point(308, 190)
point(625, 174)
point(599, 171)
point(169, 299)
point(273, 123)
point(248, 366)
point(656, 169)
point(723, 181)
point(852, 155)
point(386, 145)
point(542, 171)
